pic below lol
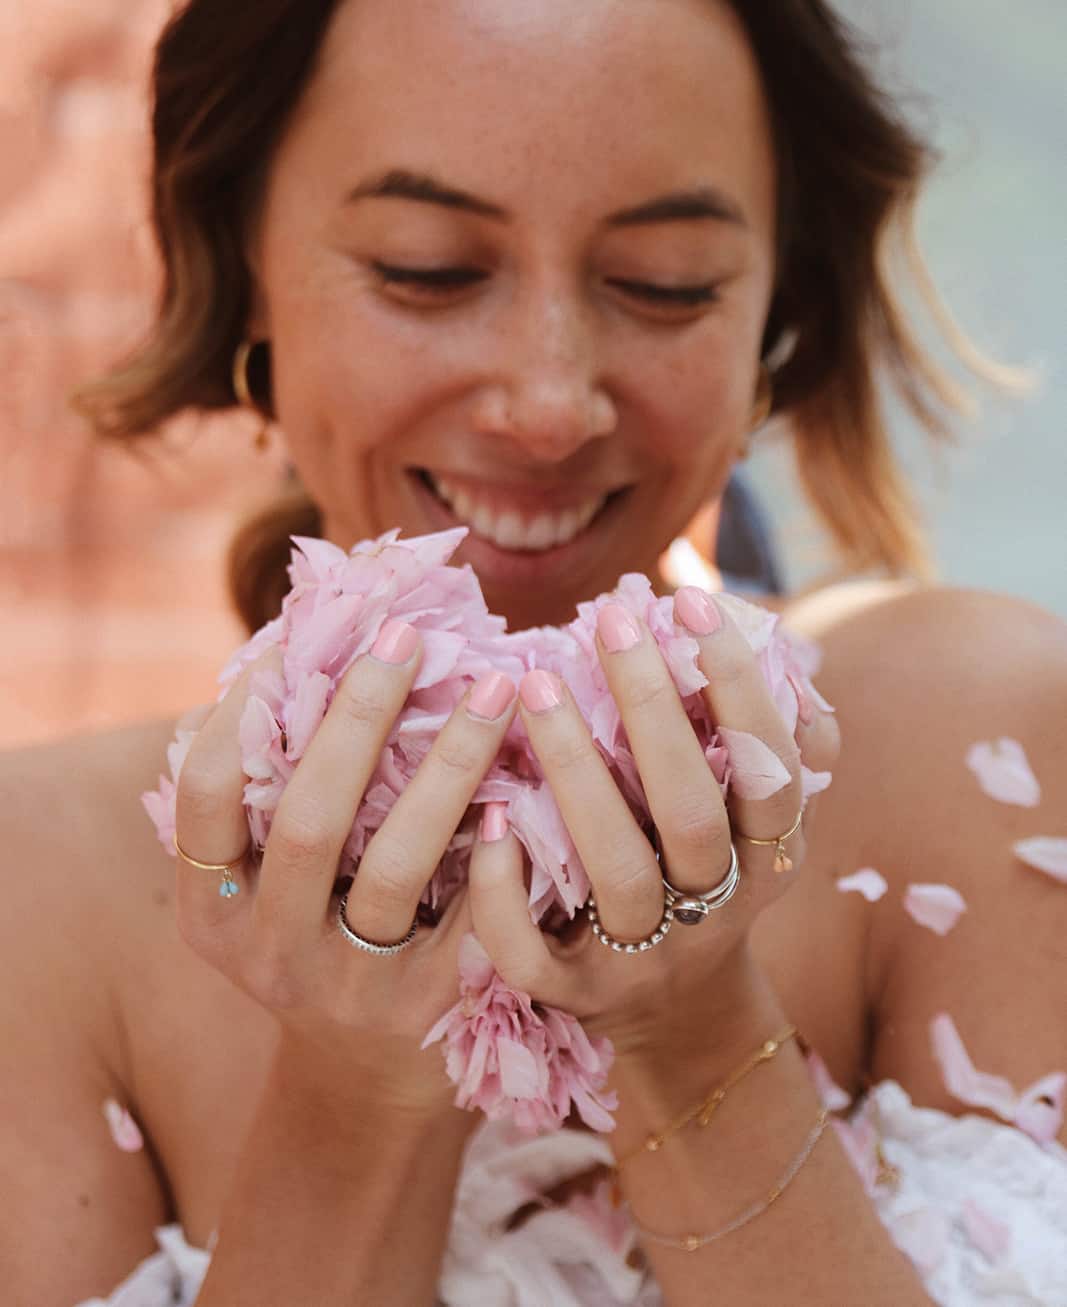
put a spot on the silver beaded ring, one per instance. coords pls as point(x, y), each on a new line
point(368, 946)
point(620, 946)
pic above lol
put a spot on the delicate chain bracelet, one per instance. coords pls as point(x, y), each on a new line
point(706, 1108)
point(691, 1243)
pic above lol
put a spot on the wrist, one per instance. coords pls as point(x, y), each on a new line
point(390, 1098)
point(692, 1056)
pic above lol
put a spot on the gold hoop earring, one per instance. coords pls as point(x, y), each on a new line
point(764, 398)
point(243, 391)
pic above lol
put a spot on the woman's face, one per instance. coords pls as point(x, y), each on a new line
point(514, 261)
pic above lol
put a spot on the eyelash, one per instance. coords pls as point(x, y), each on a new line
point(442, 281)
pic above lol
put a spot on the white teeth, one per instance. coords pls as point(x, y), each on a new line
point(509, 529)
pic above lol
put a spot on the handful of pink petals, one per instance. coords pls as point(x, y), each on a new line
point(507, 1055)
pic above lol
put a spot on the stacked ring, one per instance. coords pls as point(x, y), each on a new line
point(690, 908)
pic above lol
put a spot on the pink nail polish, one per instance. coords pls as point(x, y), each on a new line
point(541, 691)
point(492, 696)
point(617, 628)
point(396, 643)
point(494, 822)
point(804, 708)
point(697, 610)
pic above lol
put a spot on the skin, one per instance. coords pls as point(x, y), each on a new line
point(547, 374)
point(542, 375)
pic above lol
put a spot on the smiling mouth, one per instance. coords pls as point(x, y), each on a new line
point(514, 527)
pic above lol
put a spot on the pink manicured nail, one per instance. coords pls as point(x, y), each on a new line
point(396, 642)
point(541, 691)
point(804, 709)
point(494, 822)
point(617, 629)
point(491, 696)
point(697, 611)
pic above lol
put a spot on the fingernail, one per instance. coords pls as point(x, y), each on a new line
point(494, 822)
point(492, 696)
point(396, 643)
point(804, 708)
point(541, 691)
point(617, 628)
point(697, 610)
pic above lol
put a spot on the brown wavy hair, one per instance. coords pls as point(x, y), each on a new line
point(226, 78)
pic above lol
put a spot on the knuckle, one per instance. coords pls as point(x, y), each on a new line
point(632, 877)
point(271, 980)
point(695, 826)
point(299, 837)
point(358, 704)
point(204, 794)
point(570, 750)
point(732, 663)
point(521, 972)
point(789, 753)
point(198, 933)
point(456, 755)
point(649, 691)
point(387, 870)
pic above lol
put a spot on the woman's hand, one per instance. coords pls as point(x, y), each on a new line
point(654, 1001)
point(354, 1020)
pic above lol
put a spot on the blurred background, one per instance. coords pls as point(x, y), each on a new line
point(111, 576)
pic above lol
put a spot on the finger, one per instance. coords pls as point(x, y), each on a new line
point(405, 851)
point(315, 814)
point(739, 700)
point(616, 854)
point(500, 911)
point(683, 796)
point(210, 820)
point(817, 734)
point(195, 717)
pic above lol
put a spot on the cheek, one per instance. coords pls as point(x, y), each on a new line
point(342, 385)
point(699, 404)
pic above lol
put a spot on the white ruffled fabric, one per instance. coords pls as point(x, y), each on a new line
point(959, 1178)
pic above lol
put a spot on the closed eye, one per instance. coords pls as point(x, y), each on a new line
point(448, 280)
point(705, 293)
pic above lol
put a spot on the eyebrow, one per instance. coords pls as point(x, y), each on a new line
point(698, 203)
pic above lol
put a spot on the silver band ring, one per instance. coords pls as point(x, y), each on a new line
point(368, 946)
point(638, 946)
point(690, 908)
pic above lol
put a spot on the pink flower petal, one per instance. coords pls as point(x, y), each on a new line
point(813, 782)
point(757, 771)
point(124, 1130)
point(991, 1237)
point(1039, 1112)
point(962, 1080)
point(938, 907)
point(1004, 772)
point(1046, 853)
point(506, 1055)
point(868, 882)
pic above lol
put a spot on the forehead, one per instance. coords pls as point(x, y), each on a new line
point(510, 93)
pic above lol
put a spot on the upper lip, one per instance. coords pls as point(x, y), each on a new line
point(532, 499)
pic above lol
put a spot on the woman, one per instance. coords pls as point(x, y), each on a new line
point(543, 271)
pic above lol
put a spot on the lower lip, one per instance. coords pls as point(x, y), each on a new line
point(521, 566)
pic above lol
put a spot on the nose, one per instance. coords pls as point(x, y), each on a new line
point(544, 394)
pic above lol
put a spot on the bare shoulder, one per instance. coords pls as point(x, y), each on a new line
point(69, 826)
point(918, 677)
